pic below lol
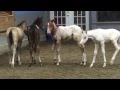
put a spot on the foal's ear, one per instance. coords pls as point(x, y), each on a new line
point(48, 20)
point(38, 17)
point(41, 17)
point(82, 31)
point(53, 20)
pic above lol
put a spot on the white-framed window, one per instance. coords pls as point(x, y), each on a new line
point(64, 18)
point(108, 16)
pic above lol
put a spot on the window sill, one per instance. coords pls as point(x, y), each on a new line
point(107, 22)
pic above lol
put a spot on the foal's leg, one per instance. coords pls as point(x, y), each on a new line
point(10, 58)
point(10, 49)
point(58, 46)
point(103, 53)
point(54, 49)
point(84, 55)
point(14, 52)
point(84, 58)
point(54, 46)
point(31, 56)
point(19, 51)
point(116, 52)
point(95, 54)
point(40, 61)
point(34, 57)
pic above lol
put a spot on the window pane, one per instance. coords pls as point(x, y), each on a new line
point(106, 16)
point(83, 20)
point(75, 13)
point(59, 13)
point(79, 13)
point(59, 20)
point(55, 13)
point(63, 13)
point(83, 13)
point(83, 27)
point(75, 20)
point(79, 20)
point(63, 20)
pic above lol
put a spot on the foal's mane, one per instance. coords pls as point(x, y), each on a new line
point(21, 23)
point(38, 20)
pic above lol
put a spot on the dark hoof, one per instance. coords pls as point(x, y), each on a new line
point(40, 64)
point(34, 62)
point(16, 62)
point(30, 64)
point(82, 63)
point(55, 63)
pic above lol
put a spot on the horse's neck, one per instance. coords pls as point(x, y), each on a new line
point(21, 28)
point(54, 30)
point(90, 34)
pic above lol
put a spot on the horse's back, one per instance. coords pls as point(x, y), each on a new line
point(105, 34)
point(70, 28)
point(69, 31)
point(108, 31)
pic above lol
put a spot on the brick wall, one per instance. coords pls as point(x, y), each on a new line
point(6, 21)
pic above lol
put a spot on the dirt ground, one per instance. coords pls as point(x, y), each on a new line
point(69, 68)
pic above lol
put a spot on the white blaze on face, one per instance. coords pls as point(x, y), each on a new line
point(84, 38)
point(37, 27)
point(48, 29)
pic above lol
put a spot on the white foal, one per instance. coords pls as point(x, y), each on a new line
point(100, 36)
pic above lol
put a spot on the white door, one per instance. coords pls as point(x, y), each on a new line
point(66, 18)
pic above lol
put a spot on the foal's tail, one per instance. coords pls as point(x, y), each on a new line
point(11, 37)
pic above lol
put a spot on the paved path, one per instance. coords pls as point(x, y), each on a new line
point(4, 45)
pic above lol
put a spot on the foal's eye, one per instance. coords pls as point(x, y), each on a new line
point(84, 37)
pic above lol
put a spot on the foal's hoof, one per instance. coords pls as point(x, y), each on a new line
point(55, 62)
point(34, 62)
point(40, 64)
point(91, 65)
point(111, 63)
point(58, 64)
point(19, 63)
point(104, 65)
point(30, 64)
point(10, 62)
point(12, 65)
point(16, 62)
point(83, 63)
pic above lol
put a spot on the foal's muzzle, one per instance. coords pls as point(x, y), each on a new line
point(82, 46)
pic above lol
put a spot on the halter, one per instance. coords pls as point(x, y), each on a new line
point(37, 26)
